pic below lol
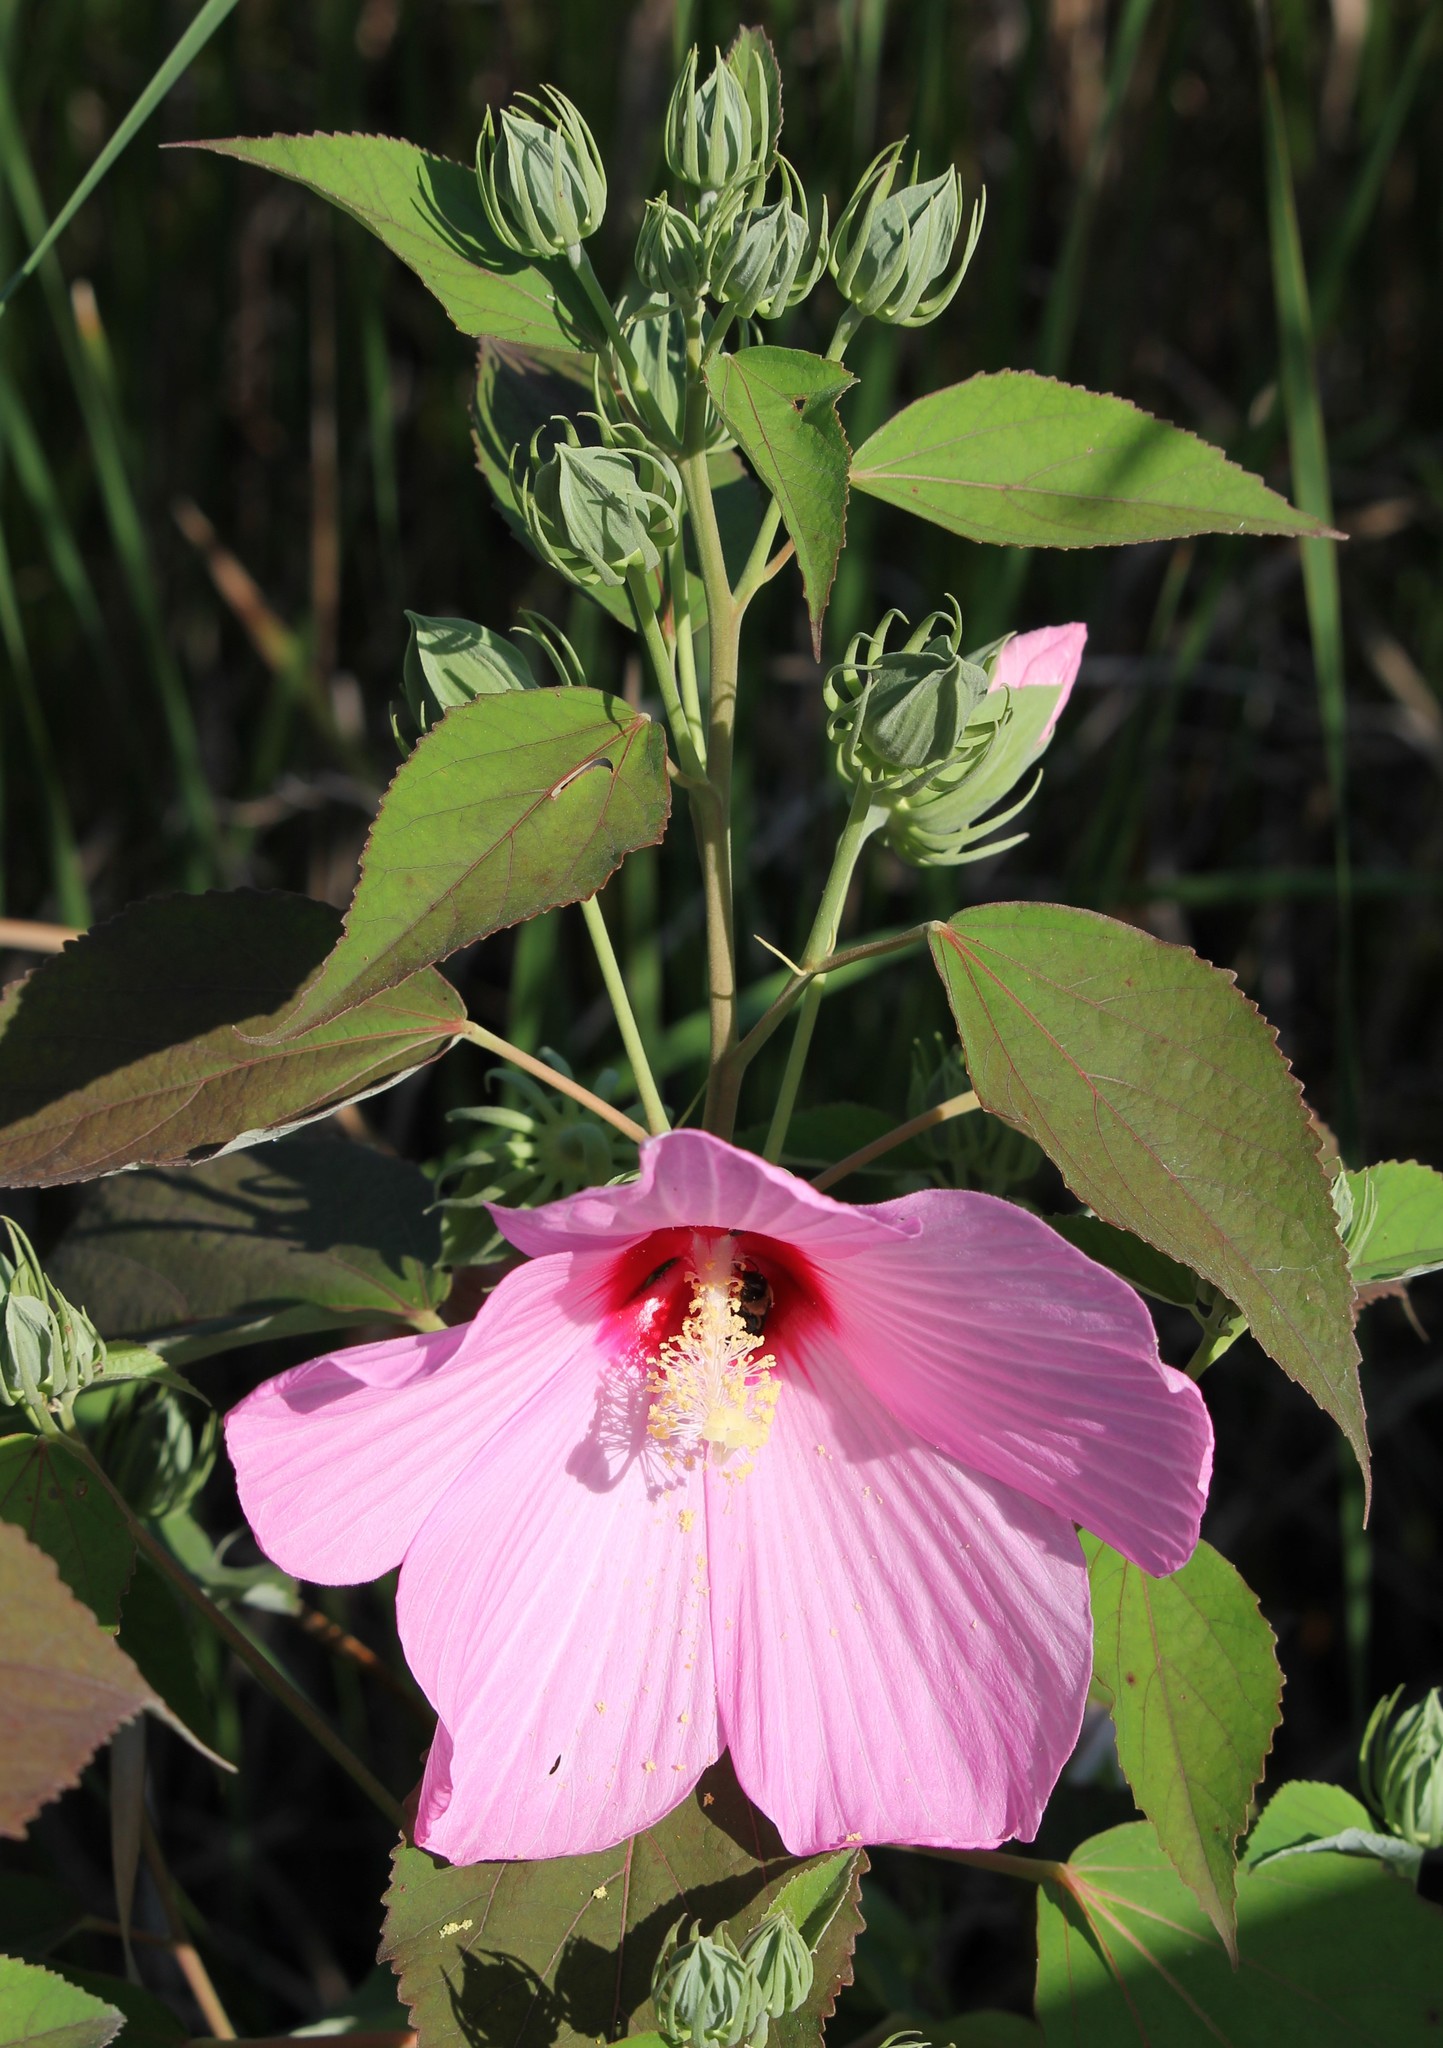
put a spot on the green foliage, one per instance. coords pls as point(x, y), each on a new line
point(428, 212)
point(304, 1235)
point(1188, 1668)
point(824, 1899)
point(1141, 1265)
point(185, 985)
point(1332, 1949)
point(1024, 461)
point(40, 2010)
point(65, 1684)
point(47, 1493)
point(149, 2021)
point(1160, 1093)
point(1395, 1226)
point(510, 806)
point(781, 406)
point(491, 1950)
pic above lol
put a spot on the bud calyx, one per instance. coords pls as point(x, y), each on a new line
point(541, 177)
point(891, 249)
point(597, 512)
point(1400, 1768)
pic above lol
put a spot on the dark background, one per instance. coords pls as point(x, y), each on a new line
point(233, 445)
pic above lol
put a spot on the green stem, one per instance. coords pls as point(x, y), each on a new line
point(758, 565)
point(941, 1113)
point(562, 1083)
point(1220, 1332)
point(713, 818)
point(680, 588)
point(687, 741)
point(606, 960)
point(781, 1008)
point(1031, 1869)
point(714, 340)
point(847, 325)
point(606, 313)
point(255, 1660)
point(863, 819)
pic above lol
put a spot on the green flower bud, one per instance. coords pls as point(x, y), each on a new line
point(671, 253)
point(1400, 1768)
point(450, 662)
point(719, 135)
point(541, 178)
point(49, 1351)
point(933, 744)
point(655, 331)
point(596, 512)
point(704, 1994)
point(891, 248)
point(767, 258)
point(780, 1963)
point(157, 1447)
point(531, 1148)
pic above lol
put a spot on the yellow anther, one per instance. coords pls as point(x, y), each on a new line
point(713, 1387)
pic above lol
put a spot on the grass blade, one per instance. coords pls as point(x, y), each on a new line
point(206, 22)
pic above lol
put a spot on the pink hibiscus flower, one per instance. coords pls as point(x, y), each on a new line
point(731, 1465)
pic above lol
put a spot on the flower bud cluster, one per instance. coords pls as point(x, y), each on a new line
point(921, 730)
point(541, 176)
point(49, 1351)
point(450, 662)
point(532, 1148)
point(596, 512)
point(891, 250)
point(708, 1993)
point(1400, 1768)
point(155, 1447)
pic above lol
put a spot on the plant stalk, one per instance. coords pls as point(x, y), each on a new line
point(940, 1113)
point(651, 1102)
point(562, 1083)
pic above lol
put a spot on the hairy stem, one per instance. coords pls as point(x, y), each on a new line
point(758, 565)
point(255, 1660)
point(562, 1083)
point(651, 1103)
point(685, 646)
point(941, 1113)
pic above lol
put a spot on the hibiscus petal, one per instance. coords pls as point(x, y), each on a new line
point(1013, 1352)
point(902, 1649)
point(1049, 658)
point(339, 1462)
point(693, 1180)
point(554, 1608)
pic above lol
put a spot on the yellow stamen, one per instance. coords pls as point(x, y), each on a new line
point(713, 1387)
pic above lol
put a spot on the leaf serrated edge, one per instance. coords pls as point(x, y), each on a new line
point(858, 476)
point(946, 932)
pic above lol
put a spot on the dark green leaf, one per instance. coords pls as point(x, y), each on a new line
point(183, 985)
point(780, 404)
point(309, 1233)
point(47, 1493)
point(38, 2010)
point(1159, 1092)
point(1334, 1951)
point(1024, 461)
point(428, 212)
point(510, 806)
point(495, 1954)
point(65, 1686)
point(1188, 1667)
point(159, 1636)
point(1139, 1264)
point(1398, 1207)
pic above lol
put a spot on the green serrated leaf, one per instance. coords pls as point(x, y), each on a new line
point(511, 1953)
point(1159, 1092)
point(780, 405)
point(1403, 1235)
point(1024, 461)
point(824, 1901)
point(1189, 1670)
point(149, 2021)
point(315, 1231)
point(50, 1496)
point(65, 1685)
point(427, 210)
point(185, 985)
point(510, 806)
point(1141, 1265)
point(1333, 1952)
point(41, 2010)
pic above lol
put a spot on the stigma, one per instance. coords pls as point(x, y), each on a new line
point(713, 1387)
